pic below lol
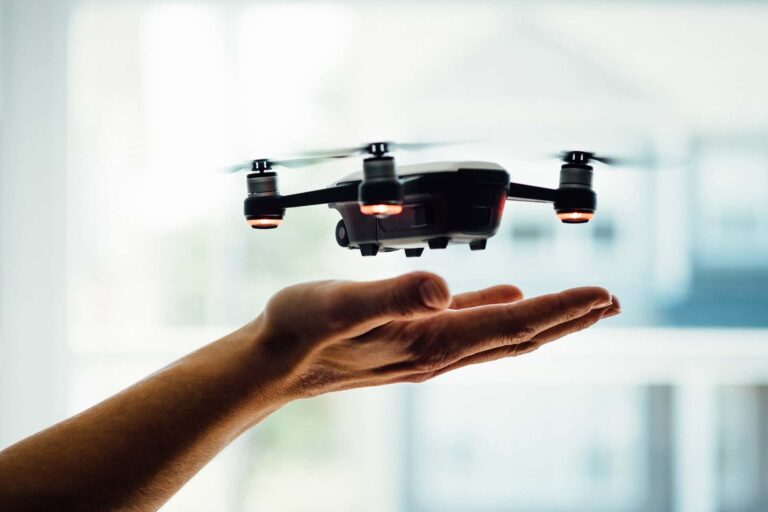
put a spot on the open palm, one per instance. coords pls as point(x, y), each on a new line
point(341, 335)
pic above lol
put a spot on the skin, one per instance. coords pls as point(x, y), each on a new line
point(136, 449)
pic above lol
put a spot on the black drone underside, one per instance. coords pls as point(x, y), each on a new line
point(462, 206)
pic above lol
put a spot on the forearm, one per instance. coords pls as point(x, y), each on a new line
point(134, 450)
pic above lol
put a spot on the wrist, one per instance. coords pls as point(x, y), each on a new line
point(267, 366)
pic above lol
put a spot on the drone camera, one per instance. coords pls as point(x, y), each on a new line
point(381, 192)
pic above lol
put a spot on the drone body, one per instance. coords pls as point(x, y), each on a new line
point(443, 202)
point(426, 205)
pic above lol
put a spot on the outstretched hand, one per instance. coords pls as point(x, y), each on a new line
point(135, 449)
point(337, 335)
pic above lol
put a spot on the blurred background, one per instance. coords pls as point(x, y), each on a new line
point(122, 245)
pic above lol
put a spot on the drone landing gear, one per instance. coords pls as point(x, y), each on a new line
point(414, 253)
point(478, 245)
point(369, 249)
point(439, 243)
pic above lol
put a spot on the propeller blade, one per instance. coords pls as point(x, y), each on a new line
point(645, 161)
point(607, 160)
point(391, 146)
point(244, 166)
point(290, 163)
point(295, 163)
point(336, 153)
point(418, 146)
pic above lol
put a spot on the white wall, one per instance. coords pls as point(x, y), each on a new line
point(32, 211)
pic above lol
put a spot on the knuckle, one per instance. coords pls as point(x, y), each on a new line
point(412, 335)
point(585, 322)
point(431, 359)
point(523, 333)
point(520, 329)
point(335, 316)
point(428, 362)
point(398, 303)
point(428, 354)
point(567, 311)
point(564, 312)
point(525, 348)
point(458, 302)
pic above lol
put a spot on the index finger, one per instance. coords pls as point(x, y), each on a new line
point(499, 294)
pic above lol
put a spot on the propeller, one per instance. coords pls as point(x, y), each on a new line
point(308, 158)
point(585, 157)
point(379, 148)
point(265, 164)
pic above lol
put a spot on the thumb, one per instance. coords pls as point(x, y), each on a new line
point(399, 298)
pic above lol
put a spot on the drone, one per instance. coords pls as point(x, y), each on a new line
point(386, 207)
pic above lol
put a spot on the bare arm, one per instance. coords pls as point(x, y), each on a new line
point(136, 449)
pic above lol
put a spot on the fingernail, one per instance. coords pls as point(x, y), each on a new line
point(431, 294)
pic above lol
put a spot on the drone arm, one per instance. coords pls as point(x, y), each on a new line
point(257, 206)
point(521, 192)
point(337, 194)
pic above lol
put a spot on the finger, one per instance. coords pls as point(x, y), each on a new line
point(501, 294)
point(559, 331)
point(465, 332)
point(374, 303)
point(547, 336)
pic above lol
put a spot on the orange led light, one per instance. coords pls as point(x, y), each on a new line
point(575, 217)
point(381, 209)
point(264, 223)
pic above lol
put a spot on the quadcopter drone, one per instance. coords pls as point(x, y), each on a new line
point(386, 208)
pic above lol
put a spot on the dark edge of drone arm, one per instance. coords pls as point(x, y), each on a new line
point(521, 192)
point(255, 205)
point(337, 194)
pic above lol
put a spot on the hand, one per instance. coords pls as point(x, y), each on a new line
point(335, 335)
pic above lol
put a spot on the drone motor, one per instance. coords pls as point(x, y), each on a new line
point(380, 192)
point(576, 201)
point(263, 183)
